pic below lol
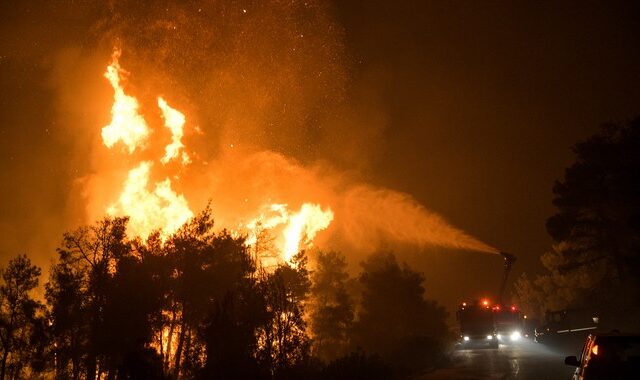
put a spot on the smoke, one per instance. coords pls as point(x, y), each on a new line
point(274, 114)
point(366, 217)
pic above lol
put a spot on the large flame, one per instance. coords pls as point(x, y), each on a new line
point(155, 206)
point(174, 120)
point(253, 190)
point(127, 125)
point(303, 227)
point(149, 206)
point(297, 229)
point(148, 211)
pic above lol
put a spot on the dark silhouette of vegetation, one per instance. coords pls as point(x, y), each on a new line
point(596, 259)
point(395, 319)
point(198, 304)
point(333, 311)
point(20, 323)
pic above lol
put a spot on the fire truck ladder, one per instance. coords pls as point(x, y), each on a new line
point(509, 259)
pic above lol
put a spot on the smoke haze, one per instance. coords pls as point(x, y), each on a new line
point(263, 86)
point(350, 98)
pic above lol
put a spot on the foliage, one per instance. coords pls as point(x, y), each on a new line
point(90, 289)
point(332, 309)
point(20, 322)
point(395, 320)
point(596, 259)
point(198, 304)
point(282, 340)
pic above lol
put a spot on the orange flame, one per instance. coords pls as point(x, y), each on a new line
point(174, 120)
point(127, 125)
point(297, 230)
point(156, 206)
point(303, 227)
point(148, 210)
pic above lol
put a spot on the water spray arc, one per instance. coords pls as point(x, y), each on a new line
point(294, 202)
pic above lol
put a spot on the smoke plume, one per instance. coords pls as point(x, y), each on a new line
point(272, 116)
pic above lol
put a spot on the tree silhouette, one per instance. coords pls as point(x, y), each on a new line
point(230, 335)
point(206, 268)
point(65, 295)
point(596, 258)
point(18, 316)
point(282, 340)
point(395, 320)
point(332, 308)
point(83, 281)
point(198, 304)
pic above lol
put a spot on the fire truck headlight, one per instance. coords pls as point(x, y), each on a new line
point(489, 337)
point(466, 338)
point(515, 335)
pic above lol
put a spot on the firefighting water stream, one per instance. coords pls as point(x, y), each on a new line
point(250, 190)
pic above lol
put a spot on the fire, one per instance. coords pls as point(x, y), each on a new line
point(303, 227)
point(148, 210)
point(127, 125)
point(159, 208)
point(174, 120)
point(153, 206)
point(297, 230)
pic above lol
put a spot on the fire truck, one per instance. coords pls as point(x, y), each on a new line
point(509, 323)
point(477, 326)
point(488, 324)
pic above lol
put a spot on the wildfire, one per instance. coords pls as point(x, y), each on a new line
point(127, 125)
point(297, 230)
point(303, 227)
point(155, 206)
point(174, 120)
point(160, 208)
point(148, 210)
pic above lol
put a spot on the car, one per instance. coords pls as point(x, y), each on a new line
point(607, 356)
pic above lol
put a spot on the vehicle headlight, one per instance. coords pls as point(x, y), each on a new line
point(466, 338)
point(499, 337)
point(489, 337)
point(515, 335)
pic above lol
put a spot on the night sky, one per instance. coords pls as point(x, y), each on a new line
point(470, 107)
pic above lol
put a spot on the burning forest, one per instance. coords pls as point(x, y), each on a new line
point(314, 189)
point(153, 205)
point(171, 138)
point(157, 207)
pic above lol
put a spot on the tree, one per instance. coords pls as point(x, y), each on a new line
point(230, 334)
point(185, 306)
point(65, 295)
point(283, 343)
point(558, 289)
point(205, 268)
point(81, 298)
point(596, 258)
point(332, 308)
point(18, 315)
point(396, 320)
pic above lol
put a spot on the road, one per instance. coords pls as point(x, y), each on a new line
point(523, 360)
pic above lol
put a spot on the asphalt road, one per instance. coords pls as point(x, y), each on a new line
point(522, 360)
